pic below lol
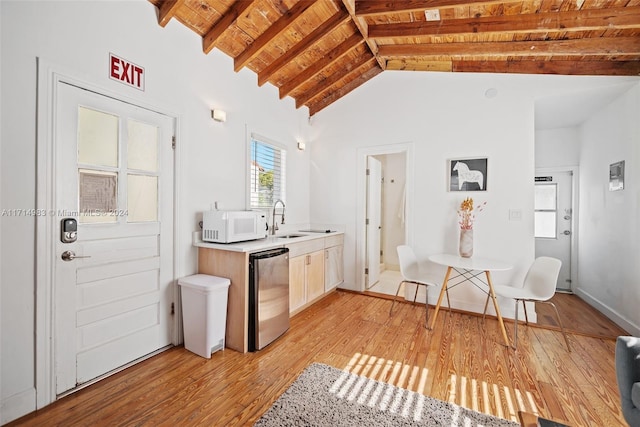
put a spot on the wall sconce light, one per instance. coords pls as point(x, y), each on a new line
point(301, 146)
point(219, 115)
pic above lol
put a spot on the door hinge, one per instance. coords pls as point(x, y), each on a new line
point(366, 271)
point(173, 309)
point(366, 221)
point(368, 172)
point(173, 142)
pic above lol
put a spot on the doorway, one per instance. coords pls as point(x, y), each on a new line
point(384, 216)
point(105, 262)
point(555, 221)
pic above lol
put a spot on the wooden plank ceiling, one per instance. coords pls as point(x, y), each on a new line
point(319, 51)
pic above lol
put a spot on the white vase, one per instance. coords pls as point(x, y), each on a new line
point(466, 243)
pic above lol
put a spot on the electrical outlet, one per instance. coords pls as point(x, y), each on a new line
point(432, 14)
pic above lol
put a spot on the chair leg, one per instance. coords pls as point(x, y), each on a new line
point(426, 308)
point(526, 318)
point(515, 328)
point(395, 297)
point(486, 304)
point(560, 323)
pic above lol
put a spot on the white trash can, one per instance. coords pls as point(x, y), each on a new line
point(204, 312)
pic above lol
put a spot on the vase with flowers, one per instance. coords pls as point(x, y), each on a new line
point(466, 217)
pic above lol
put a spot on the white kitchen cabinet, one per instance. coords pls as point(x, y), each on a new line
point(333, 262)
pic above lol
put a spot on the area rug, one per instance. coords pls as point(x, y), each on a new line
point(326, 396)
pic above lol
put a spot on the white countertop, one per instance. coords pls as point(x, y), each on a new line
point(261, 244)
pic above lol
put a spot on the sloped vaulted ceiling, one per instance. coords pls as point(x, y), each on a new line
point(318, 51)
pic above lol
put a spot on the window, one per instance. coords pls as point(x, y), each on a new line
point(266, 172)
point(545, 205)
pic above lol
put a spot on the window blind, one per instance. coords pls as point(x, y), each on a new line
point(267, 173)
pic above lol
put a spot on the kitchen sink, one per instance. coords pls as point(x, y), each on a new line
point(290, 236)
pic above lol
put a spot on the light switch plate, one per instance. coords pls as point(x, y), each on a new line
point(515, 215)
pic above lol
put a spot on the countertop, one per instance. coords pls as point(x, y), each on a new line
point(263, 244)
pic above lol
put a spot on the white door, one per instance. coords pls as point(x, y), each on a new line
point(114, 176)
point(374, 220)
point(553, 220)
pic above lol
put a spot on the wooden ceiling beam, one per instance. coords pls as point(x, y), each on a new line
point(368, 7)
point(577, 20)
point(324, 84)
point(327, 60)
point(564, 67)
point(331, 24)
point(363, 27)
point(209, 40)
point(330, 99)
point(168, 11)
point(617, 46)
point(278, 27)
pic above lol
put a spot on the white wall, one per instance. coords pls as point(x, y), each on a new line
point(557, 147)
point(78, 37)
point(444, 116)
point(608, 267)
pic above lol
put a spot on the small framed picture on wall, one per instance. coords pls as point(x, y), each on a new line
point(469, 174)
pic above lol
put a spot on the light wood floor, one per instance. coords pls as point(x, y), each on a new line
point(462, 361)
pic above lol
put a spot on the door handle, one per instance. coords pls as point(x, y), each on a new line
point(566, 232)
point(70, 256)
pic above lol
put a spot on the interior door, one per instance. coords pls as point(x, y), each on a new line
point(374, 220)
point(553, 221)
point(113, 279)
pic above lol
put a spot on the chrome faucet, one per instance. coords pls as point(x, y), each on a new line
point(274, 225)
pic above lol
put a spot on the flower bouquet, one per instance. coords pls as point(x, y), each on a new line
point(466, 217)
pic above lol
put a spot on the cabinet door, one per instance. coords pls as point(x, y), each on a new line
point(315, 275)
point(333, 267)
point(297, 288)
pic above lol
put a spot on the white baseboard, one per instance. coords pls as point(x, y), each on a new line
point(14, 407)
point(614, 316)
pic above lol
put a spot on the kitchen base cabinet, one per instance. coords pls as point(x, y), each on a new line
point(333, 262)
point(297, 282)
point(306, 279)
point(306, 273)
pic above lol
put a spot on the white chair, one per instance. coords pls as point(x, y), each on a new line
point(411, 273)
point(539, 286)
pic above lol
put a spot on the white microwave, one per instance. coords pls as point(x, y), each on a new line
point(233, 226)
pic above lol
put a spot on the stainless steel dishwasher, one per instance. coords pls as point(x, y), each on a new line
point(268, 296)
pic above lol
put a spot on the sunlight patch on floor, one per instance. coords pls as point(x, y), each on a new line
point(364, 374)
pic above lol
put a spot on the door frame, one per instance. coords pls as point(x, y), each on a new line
point(361, 200)
point(49, 76)
point(575, 203)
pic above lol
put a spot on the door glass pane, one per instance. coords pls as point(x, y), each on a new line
point(97, 138)
point(98, 196)
point(545, 224)
point(545, 197)
point(142, 148)
point(142, 198)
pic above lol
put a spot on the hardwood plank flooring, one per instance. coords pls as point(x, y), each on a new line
point(578, 317)
point(462, 361)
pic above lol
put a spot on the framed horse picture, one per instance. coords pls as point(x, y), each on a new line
point(468, 174)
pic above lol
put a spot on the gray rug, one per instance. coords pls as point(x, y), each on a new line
point(326, 396)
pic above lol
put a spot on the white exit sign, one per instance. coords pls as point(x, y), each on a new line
point(126, 72)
